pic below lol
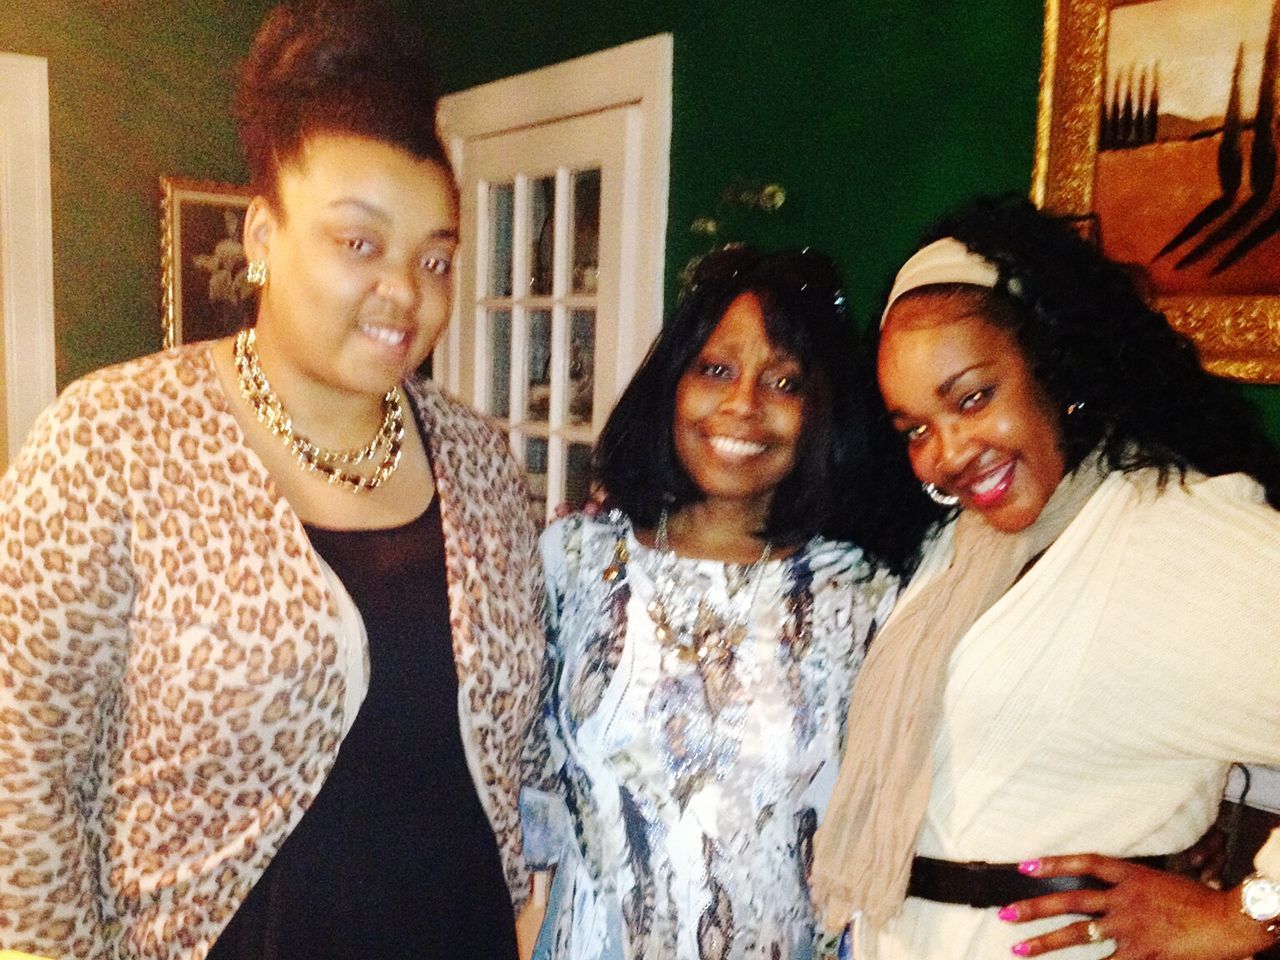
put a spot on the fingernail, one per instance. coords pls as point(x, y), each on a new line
point(1008, 913)
point(1029, 866)
point(1020, 950)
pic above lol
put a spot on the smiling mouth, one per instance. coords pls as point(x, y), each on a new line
point(389, 336)
point(733, 447)
point(991, 487)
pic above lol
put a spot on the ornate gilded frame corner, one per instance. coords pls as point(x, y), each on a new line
point(1237, 336)
point(177, 196)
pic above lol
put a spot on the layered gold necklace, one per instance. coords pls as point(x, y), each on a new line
point(333, 465)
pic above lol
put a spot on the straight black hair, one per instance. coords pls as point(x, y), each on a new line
point(850, 473)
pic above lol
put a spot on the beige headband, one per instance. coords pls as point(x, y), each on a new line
point(943, 261)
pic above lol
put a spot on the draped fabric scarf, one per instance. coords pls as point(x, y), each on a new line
point(863, 851)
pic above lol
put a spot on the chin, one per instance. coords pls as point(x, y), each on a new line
point(1012, 519)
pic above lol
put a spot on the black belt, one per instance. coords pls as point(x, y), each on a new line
point(980, 884)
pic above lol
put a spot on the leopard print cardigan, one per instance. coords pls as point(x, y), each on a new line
point(178, 666)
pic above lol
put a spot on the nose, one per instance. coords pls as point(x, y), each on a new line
point(398, 285)
point(742, 397)
point(952, 447)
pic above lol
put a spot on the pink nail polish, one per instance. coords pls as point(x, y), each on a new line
point(1029, 866)
point(1008, 913)
point(1020, 950)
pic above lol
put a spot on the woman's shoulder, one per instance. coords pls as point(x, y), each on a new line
point(184, 366)
point(1230, 507)
point(133, 392)
point(446, 414)
point(583, 535)
point(842, 559)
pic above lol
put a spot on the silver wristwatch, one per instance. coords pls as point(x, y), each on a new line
point(1260, 899)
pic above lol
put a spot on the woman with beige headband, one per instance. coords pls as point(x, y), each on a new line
point(1088, 644)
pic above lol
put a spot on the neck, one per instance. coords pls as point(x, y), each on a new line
point(715, 530)
point(327, 414)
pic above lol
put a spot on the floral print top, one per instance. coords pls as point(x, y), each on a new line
point(679, 792)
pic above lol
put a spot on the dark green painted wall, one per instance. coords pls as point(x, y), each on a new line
point(874, 114)
point(137, 90)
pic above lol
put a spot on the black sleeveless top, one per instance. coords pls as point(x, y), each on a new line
point(395, 857)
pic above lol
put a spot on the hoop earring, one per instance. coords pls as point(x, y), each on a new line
point(938, 497)
point(256, 275)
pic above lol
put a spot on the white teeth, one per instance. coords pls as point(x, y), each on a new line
point(990, 481)
point(732, 447)
point(387, 335)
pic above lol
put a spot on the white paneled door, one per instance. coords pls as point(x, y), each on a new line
point(27, 367)
point(560, 269)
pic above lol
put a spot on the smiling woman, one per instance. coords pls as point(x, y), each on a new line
point(278, 706)
point(704, 635)
point(739, 410)
point(1089, 643)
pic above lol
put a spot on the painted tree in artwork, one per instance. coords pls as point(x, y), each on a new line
point(1140, 119)
point(1230, 159)
point(1153, 109)
point(1262, 156)
point(1262, 159)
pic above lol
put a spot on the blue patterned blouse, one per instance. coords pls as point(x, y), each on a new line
point(694, 715)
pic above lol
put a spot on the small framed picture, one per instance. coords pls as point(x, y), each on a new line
point(207, 293)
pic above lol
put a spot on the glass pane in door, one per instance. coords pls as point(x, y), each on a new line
point(538, 406)
point(586, 231)
point(535, 468)
point(500, 373)
point(542, 225)
point(502, 206)
point(582, 365)
point(577, 476)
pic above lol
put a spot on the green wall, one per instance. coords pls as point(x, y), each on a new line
point(875, 115)
point(137, 90)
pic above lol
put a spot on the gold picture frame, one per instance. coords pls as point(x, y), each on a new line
point(206, 294)
point(1237, 334)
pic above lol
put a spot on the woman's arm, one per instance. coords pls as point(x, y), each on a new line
point(543, 814)
point(64, 597)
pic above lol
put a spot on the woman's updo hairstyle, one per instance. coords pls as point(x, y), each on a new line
point(333, 67)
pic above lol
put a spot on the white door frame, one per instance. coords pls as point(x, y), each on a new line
point(637, 75)
point(26, 244)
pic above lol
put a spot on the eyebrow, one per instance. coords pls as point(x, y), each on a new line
point(444, 233)
point(943, 389)
point(945, 386)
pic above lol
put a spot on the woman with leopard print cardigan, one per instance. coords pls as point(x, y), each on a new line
point(265, 681)
point(179, 665)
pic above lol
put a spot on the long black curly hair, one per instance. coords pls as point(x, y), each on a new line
point(1097, 346)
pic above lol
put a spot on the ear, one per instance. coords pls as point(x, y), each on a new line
point(260, 223)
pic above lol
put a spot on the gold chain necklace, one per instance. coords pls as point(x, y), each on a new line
point(331, 464)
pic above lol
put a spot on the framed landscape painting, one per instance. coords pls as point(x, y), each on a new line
point(206, 293)
point(1159, 128)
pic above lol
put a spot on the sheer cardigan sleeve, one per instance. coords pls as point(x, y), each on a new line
point(65, 593)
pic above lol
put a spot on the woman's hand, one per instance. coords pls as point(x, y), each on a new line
point(1148, 913)
point(532, 914)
